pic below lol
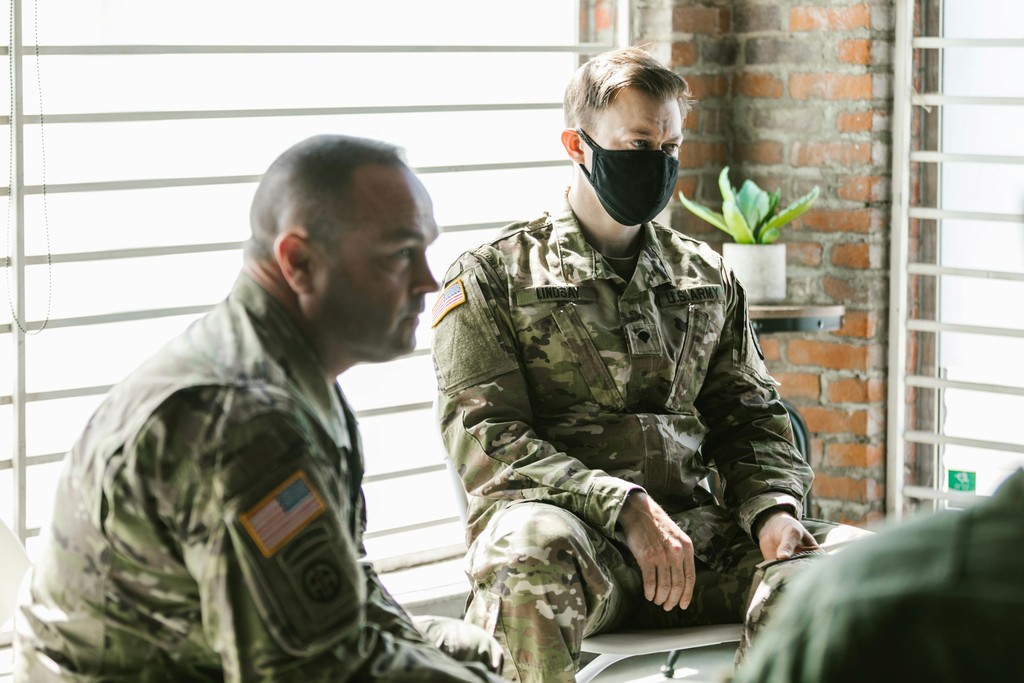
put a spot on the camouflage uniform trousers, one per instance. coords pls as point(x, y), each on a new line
point(543, 579)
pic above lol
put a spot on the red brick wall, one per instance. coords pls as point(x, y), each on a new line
point(793, 94)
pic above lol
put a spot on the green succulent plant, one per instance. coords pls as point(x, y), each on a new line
point(749, 214)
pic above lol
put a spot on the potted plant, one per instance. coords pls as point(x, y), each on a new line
point(751, 217)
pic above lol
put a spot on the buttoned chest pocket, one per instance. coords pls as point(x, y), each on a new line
point(703, 331)
point(562, 364)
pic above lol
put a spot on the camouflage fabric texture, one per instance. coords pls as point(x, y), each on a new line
point(562, 389)
point(936, 597)
point(209, 524)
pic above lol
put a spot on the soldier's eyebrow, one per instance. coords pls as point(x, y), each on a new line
point(404, 235)
point(644, 132)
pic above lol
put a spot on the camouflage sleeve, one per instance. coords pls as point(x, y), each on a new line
point(751, 438)
point(485, 413)
point(265, 525)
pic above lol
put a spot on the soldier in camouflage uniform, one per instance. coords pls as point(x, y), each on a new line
point(594, 367)
point(937, 598)
point(209, 521)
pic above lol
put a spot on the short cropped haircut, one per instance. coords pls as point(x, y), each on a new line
point(595, 84)
point(309, 184)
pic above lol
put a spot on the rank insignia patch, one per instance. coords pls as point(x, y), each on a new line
point(453, 296)
point(283, 513)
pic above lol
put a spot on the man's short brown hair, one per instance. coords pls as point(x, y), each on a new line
point(595, 84)
point(308, 184)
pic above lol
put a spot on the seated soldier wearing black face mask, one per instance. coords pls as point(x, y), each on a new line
point(593, 367)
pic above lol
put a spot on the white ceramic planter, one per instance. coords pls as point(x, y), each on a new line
point(760, 268)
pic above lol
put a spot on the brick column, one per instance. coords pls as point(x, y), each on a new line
point(793, 94)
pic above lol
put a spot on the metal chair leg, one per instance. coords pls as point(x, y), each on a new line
point(668, 669)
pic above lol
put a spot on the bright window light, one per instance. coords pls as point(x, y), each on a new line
point(158, 119)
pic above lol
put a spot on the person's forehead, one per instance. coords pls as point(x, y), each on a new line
point(392, 198)
point(637, 111)
point(380, 185)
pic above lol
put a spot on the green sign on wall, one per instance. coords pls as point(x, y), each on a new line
point(962, 480)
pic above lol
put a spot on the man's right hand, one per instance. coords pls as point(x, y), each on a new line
point(663, 551)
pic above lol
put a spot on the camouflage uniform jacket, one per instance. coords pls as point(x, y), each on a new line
point(209, 525)
point(562, 383)
point(935, 597)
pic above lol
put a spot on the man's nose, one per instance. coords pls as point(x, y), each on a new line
point(424, 282)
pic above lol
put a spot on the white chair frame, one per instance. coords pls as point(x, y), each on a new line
point(14, 566)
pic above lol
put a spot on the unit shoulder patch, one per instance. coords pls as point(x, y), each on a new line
point(298, 557)
point(453, 296)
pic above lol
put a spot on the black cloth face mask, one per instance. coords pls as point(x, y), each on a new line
point(633, 186)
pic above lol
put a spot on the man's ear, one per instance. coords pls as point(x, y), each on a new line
point(573, 145)
point(296, 259)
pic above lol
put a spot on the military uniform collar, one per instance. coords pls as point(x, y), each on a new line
point(579, 261)
point(288, 349)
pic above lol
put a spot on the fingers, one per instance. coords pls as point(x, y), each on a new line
point(690, 573)
point(807, 543)
point(650, 574)
point(662, 550)
point(677, 576)
point(782, 536)
point(788, 545)
point(669, 581)
point(795, 539)
point(683, 578)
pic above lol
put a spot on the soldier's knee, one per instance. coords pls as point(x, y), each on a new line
point(535, 537)
point(554, 529)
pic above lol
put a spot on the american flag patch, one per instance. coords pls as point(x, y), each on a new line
point(286, 511)
point(451, 297)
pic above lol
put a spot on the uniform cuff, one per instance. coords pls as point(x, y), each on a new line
point(755, 506)
point(604, 503)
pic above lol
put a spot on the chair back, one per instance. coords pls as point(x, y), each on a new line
point(461, 499)
point(14, 565)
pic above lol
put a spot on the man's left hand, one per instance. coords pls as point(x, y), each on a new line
point(781, 535)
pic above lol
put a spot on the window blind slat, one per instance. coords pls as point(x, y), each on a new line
point(939, 214)
point(936, 326)
point(83, 50)
point(932, 269)
point(943, 440)
point(943, 157)
point(938, 383)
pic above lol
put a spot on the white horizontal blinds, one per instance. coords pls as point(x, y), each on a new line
point(159, 119)
point(13, 476)
point(964, 279)
point(520, 170)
